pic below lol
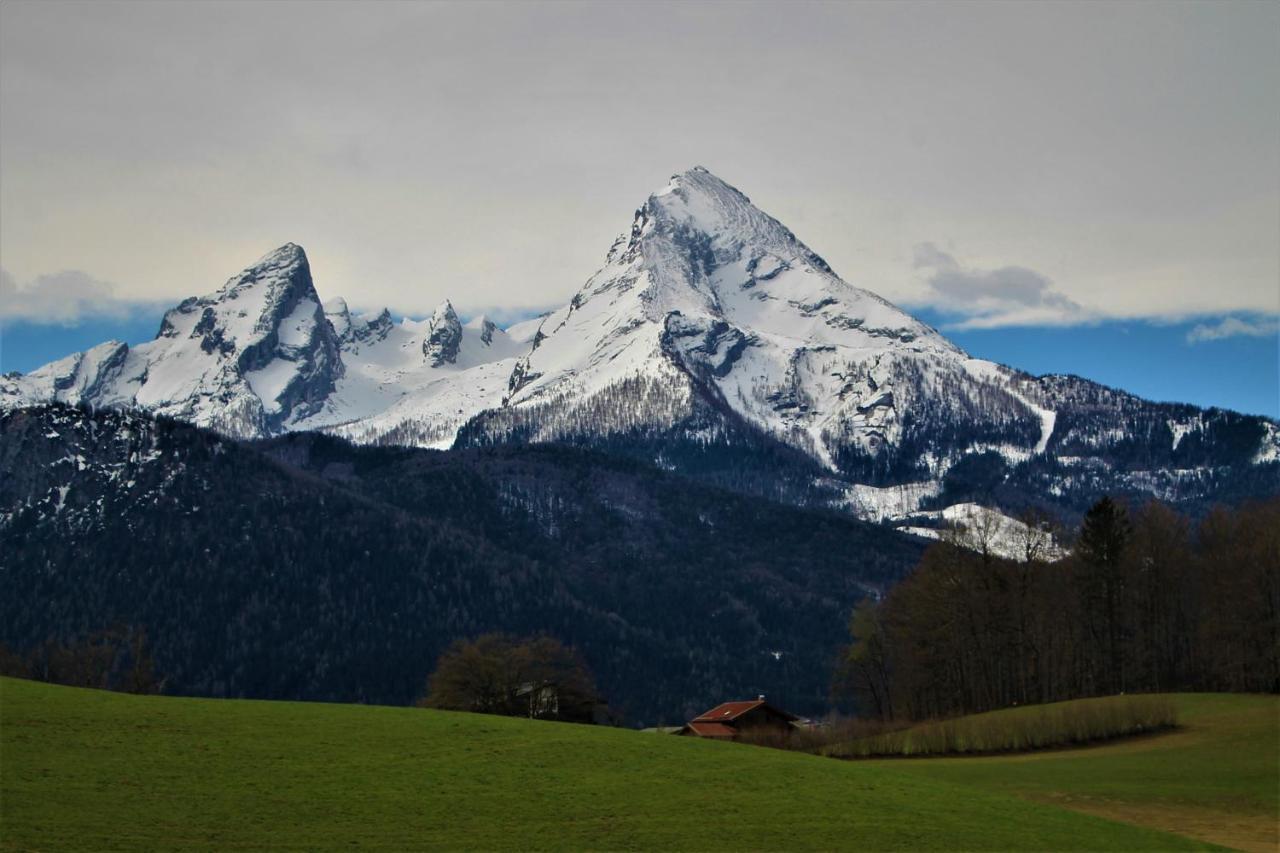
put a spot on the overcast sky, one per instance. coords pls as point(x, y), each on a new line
point(1009, 163)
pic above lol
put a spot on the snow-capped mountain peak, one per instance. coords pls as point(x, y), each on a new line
point(701, 231)
point(353, 330)
point(710, 324)
point(338, 314)
point(713, 297)
point(698, 201)
point(444, 336)
point(417, 382)
point(247, 359)
point(484, 327)
point(281, 269)
point(270, 354)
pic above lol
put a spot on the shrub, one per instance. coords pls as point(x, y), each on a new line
point(496, 674)
point(1017, 729)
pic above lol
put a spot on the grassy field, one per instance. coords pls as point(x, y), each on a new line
point(1216, 777)
point(82, 769)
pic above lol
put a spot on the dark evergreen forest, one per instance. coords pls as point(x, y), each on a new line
point(306, 568)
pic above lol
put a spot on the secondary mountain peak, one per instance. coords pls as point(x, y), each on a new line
point(245, 360)
point(444, 336)
point(444, 312)
point(484, 327)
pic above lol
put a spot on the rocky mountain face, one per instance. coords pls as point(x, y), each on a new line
point(712, 342)
point(444, 337)
point(251, 359)
point(305, 567)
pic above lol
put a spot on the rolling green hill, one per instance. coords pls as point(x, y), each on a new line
point(85, 769)
point(1216, 778)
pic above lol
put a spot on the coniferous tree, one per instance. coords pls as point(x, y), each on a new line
point(1103, 538)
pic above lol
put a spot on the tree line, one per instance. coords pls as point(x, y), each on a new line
point(1146, 600)
point(115, 658)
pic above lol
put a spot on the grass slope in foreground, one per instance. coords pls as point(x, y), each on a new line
point(88, 769)
point(1216, 777)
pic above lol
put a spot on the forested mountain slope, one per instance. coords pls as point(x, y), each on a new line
point(305, 567)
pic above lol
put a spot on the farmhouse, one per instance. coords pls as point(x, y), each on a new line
point(730, 719)
point(543, 699)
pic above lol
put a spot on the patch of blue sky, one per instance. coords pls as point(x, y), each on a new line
point(1157, 360)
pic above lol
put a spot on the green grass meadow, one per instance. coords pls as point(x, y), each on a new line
point(82, 769)
point(1216, 777)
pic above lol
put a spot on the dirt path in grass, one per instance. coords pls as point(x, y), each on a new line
point(1250, 833)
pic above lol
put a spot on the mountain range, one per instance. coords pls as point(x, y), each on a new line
point(689, 473)
point(714, 343)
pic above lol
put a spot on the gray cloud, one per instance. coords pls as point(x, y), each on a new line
point(1230, 327)
point(988, 298)
point(929, 256)
point(63, 298)
point(490, 152)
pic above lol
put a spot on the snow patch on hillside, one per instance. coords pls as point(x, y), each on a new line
point(981, 528)
point(996, 373)
point(890, 502)
point(1269, 449)
point(1181, 429)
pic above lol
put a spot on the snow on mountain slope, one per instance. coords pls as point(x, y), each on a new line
point(987, 371)
point(707, 295)
point(245, 361)
point(262, 355)
point(710, 325)
point(82, 376)
point(1269, 447)
point(525, 330)
point(248, 359)
point(415, 382)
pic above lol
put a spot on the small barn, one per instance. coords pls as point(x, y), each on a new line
point(730, 719)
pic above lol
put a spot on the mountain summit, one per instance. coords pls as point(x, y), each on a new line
point(712, 341)
point(710, 297)
point(250, 359)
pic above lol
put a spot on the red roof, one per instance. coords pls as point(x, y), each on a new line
point(712, 729)
point(730, 711)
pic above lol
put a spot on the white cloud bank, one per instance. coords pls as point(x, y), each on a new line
point(64, 298)
point(1231, 327)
